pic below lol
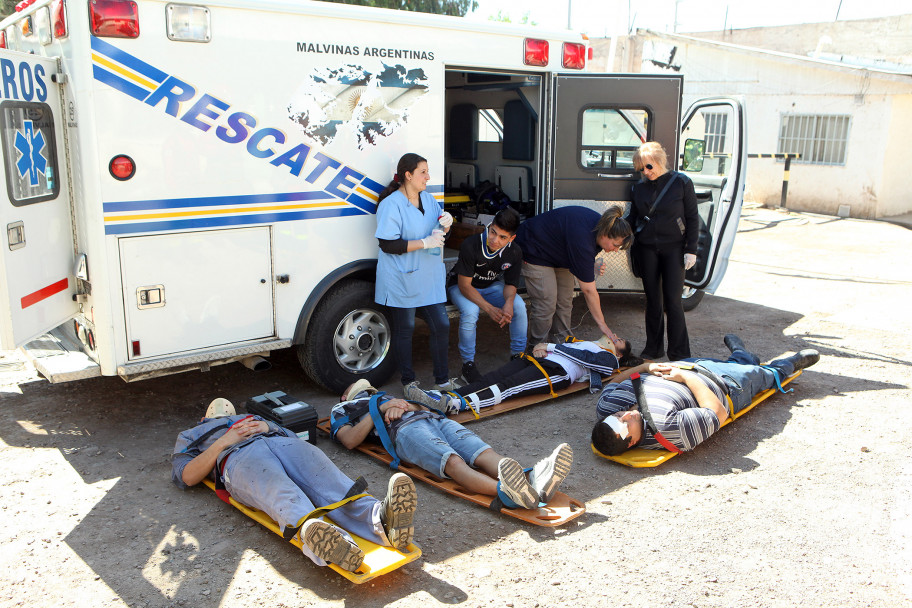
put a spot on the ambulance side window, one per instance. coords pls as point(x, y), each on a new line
point(29, 152)
point(610, 136)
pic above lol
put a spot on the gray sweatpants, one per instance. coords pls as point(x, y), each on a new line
point(287, 478)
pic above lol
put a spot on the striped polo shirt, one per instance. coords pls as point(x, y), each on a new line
point(674, 409)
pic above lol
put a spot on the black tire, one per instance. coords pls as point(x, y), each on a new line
point(691, 298)
point(348, 338)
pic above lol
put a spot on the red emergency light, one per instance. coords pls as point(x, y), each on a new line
point(536, 52)
point(574, 57)
point(58, 19)
point(122, 167)
point(3, 40)
point(114, 18)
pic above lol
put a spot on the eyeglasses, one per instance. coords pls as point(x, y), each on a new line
point(647, 167)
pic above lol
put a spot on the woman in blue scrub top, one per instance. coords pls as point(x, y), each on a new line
point(411, 276)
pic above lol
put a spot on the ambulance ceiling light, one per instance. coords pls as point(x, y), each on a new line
point(187, 23)
point(114, 18)
point(122, 167)
point(58, 19)
point(574, 56)
point(536, 52)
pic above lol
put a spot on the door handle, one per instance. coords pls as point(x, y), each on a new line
point(15, 235)
point(150, 296)
point(613, 176)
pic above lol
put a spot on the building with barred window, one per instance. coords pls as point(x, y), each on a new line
point(839, 94)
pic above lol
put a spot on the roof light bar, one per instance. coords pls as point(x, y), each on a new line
point(58, 19)
point(574, 56)
point(188, 23)
point(114, 18)
point(536, 52)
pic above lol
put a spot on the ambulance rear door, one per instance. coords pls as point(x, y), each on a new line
point(713, 153)
point(36, 270)
point(599, 120)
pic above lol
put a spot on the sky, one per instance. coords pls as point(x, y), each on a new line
point(608, 17)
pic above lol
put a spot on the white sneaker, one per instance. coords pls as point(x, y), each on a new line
point(433, 399)
point(514, 484)
point(548, 473)
point(329, 544)
point(450, 385)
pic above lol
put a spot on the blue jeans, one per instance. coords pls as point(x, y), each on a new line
point(469, 313)
point(429, 443)
point(744, 375)
point(404, 326)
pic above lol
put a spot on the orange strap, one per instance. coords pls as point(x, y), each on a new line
point(542, 370)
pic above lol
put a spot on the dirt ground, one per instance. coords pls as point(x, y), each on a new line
point(807, 500)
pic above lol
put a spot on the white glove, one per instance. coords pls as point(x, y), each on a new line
point(433, 240)
point(689, 260)
point(445, 220)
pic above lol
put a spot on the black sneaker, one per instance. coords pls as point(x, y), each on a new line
point(470, 373)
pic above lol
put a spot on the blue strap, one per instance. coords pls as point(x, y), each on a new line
point(507, 502)
point(776, 373)
point(595, 381)
point(506, 499)
point(380, 426)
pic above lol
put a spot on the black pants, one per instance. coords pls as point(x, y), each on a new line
point(518, 377)
point(662, 270)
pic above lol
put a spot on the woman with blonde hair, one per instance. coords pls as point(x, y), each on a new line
point(663, 213)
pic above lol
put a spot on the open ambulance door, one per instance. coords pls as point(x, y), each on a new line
point(36, 272)
point(598, 122)
point(713, 153)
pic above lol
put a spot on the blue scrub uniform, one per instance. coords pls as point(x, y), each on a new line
point(411, 279)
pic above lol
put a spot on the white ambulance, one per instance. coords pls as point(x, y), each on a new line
point(194, 184)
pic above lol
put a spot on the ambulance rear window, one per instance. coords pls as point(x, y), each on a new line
point(610, 136)
point(29, 152)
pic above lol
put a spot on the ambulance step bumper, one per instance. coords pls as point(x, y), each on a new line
point(202, 360)
point(59, 358)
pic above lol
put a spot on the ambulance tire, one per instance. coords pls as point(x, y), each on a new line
point(691, 298)
point(348, 339)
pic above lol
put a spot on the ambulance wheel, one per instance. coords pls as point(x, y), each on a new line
point(348, 339)
point(691, 297)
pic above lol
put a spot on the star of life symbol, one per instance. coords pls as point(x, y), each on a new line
point(31, 144)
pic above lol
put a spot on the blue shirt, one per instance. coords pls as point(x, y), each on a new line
point(410, 279)
point(562, 238)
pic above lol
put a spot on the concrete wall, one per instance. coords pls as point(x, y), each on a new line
point(885, 38)
point(773, 85)
point(896, 192)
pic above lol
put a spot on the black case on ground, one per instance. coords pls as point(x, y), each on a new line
point(288, 411)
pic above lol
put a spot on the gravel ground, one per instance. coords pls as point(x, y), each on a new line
point(805, 501)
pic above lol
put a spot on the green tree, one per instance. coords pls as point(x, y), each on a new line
point(456, 8)
point(503, 17)
point(7, 8)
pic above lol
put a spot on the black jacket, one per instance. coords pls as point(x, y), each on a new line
point(664, 227)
